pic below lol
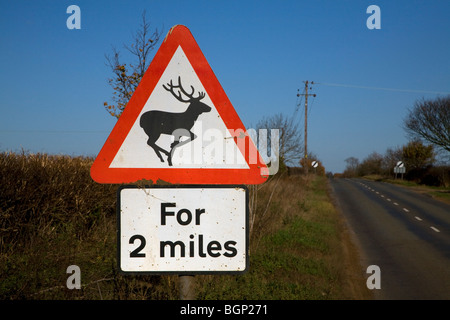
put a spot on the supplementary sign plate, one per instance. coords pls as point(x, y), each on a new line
point(183, 229)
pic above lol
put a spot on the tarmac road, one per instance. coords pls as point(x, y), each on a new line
point(404, 233)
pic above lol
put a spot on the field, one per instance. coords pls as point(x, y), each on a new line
point(52, 215)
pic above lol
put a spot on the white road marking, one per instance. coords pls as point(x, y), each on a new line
point(395, 203)
point(435, 229)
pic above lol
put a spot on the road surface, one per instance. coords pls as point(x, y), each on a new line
point(404, 233)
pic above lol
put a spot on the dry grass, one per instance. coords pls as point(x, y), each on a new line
point(41, 193)
point(49, 210)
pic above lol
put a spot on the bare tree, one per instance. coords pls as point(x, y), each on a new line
point(390, 159)
point(352, 163)
point(126, 77)
point(430, 120)
point(371, 164)
point(352, 166)
point(291, 146)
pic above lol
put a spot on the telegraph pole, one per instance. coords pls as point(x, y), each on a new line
point(306, 120)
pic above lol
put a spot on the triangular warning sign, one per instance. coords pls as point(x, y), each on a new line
point(179, 126)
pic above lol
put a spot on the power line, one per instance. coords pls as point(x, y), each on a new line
point(310, 105)
point(381, 88)
point(298, 103)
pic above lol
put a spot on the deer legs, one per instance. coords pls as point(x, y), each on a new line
point(158, 150)
point(177, 143)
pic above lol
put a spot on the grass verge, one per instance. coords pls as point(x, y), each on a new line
point(439, 193)
point(305, 256)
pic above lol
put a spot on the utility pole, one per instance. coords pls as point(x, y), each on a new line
point(306, 120)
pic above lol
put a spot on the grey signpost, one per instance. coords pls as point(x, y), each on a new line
point(399, 168)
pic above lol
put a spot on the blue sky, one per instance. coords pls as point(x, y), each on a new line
point(54, 80)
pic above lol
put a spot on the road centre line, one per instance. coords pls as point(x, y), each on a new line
point(404, 209)
point(388, 199)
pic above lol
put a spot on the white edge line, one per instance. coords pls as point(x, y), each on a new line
point(435, 229)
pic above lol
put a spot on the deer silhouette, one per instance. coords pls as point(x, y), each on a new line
point(178, 124)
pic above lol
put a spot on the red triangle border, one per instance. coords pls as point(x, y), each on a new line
point(178, 36)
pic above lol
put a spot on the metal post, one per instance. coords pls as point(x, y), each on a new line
point(187, 287)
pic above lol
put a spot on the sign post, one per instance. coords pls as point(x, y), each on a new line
point(179, 127)
point(315, 164)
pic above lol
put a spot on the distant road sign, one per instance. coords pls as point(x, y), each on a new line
point(183, 229)
point(315, 164)
point(400, 164)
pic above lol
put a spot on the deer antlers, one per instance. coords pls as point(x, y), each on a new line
point(201, 95)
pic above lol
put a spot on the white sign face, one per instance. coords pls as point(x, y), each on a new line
point(183, 229)
point(314, 164)
point(400, 164)
point(211, 144)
